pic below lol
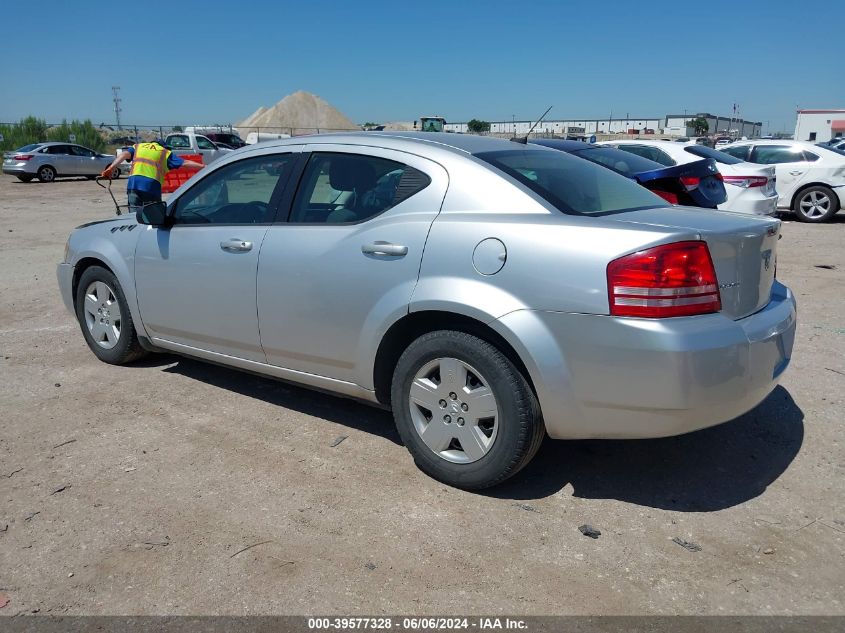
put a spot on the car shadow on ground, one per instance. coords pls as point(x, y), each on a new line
point(343, 411)
point(707, 470)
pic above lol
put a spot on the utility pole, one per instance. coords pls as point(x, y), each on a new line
point(116, 97)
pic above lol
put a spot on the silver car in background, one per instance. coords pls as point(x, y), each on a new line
point(488, 291)
point(48, 161)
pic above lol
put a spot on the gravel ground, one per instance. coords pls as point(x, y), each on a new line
point(176, 487)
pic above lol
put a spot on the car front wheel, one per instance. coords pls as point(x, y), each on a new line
point(464, 411)
point(816, 204)
point(104, 317)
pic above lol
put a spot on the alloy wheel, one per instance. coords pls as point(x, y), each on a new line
point(814, 204)
point(454, 410)
point(102, 314)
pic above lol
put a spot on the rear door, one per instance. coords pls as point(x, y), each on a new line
point(791, 168)
point(62, 159)
point(348, 258)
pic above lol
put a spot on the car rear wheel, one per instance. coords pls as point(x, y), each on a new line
point(115, 173)
point(104, 317)
point(464, 411)
point(25, 177)
point(46, 174)
point(816, 204)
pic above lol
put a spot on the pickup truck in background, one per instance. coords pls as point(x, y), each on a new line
point(189, 143)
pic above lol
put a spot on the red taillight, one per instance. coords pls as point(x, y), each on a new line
point(668, 196)
point(22, 157)
point(747, 181)
point(690, 182)
point(665, 281)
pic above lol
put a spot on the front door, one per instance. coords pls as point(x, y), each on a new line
point(195, 280)
point(347, 260)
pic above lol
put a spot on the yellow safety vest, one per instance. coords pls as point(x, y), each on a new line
point(150, 161)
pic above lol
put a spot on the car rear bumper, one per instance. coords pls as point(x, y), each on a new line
point(64, 275)
point(751, 202)
point(607, 377)
point(17, 169)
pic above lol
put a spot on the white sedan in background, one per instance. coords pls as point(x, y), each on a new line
point(811, 179)
point(750, 187)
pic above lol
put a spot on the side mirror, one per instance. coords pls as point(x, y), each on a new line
point(154, 214)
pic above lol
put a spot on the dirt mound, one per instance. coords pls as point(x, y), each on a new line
point(299, 113)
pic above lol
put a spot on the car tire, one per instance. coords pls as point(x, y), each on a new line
point(115, 173)
point(46, 174)
point(26, 177)
point(490, 426)
point(109, 333)
point(816, 204)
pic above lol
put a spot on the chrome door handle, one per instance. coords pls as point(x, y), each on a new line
point(795, 173)
point(234, 245)
point(384, 248)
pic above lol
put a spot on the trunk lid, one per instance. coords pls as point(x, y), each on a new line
point(743, 249)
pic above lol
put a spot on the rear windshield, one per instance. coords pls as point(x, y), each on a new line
point(624, 163)
point(572, 185)
point(709, 152)
point(29, 148)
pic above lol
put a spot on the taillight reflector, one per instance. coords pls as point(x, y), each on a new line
point(665, 281)
point(747, 182)
point(22, 157)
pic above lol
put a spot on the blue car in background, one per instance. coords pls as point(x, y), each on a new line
point(697, 184)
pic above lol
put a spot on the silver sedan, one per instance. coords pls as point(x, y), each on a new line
point(48, 161)
point(488, 291)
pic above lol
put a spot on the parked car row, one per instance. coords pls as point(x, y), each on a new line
point(489, 292)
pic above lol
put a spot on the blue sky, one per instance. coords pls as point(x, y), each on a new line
point(217, 61)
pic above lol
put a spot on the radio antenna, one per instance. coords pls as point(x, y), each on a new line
point(525, 140)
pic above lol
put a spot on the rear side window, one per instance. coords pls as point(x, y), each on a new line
point(58, 149)
point(651, 153)
point(776, 154)
point(737, 151)
point(572, 185)
point(178, 141)
point(624, 163)
point(349, 188)
point(810, 157)
point(707, 152)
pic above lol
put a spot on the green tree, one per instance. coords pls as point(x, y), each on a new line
point(477, 127)
point(700, 125)
point(177, 128)
point(84, 132)
point(28, 130)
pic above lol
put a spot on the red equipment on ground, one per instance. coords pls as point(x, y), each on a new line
point(175, 178)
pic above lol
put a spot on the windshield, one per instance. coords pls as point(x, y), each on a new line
point(572, 185)
point(624, 163)
point(29, 148)
point(709, 152)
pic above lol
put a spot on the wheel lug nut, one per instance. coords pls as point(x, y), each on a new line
point(460, 421)
point(442, 404)
point(447, 419)
point(453, 396)
point(464, 406)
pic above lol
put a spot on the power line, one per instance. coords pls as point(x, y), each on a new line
point(117, 109)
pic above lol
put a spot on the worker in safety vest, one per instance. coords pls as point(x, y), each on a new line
point(150, 162)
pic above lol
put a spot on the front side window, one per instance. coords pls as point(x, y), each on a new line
point(204, 143)
point(572, 185)
point(239, 193)
point(349, 188)
point(776, 154)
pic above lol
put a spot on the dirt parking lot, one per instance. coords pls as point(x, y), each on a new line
point(176, 487)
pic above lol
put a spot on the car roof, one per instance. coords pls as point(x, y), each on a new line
point(767, 141)
point(448, 141)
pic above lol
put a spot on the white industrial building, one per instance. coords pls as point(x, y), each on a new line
point(670, 125)
point(819, 126)
point(576, 127)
